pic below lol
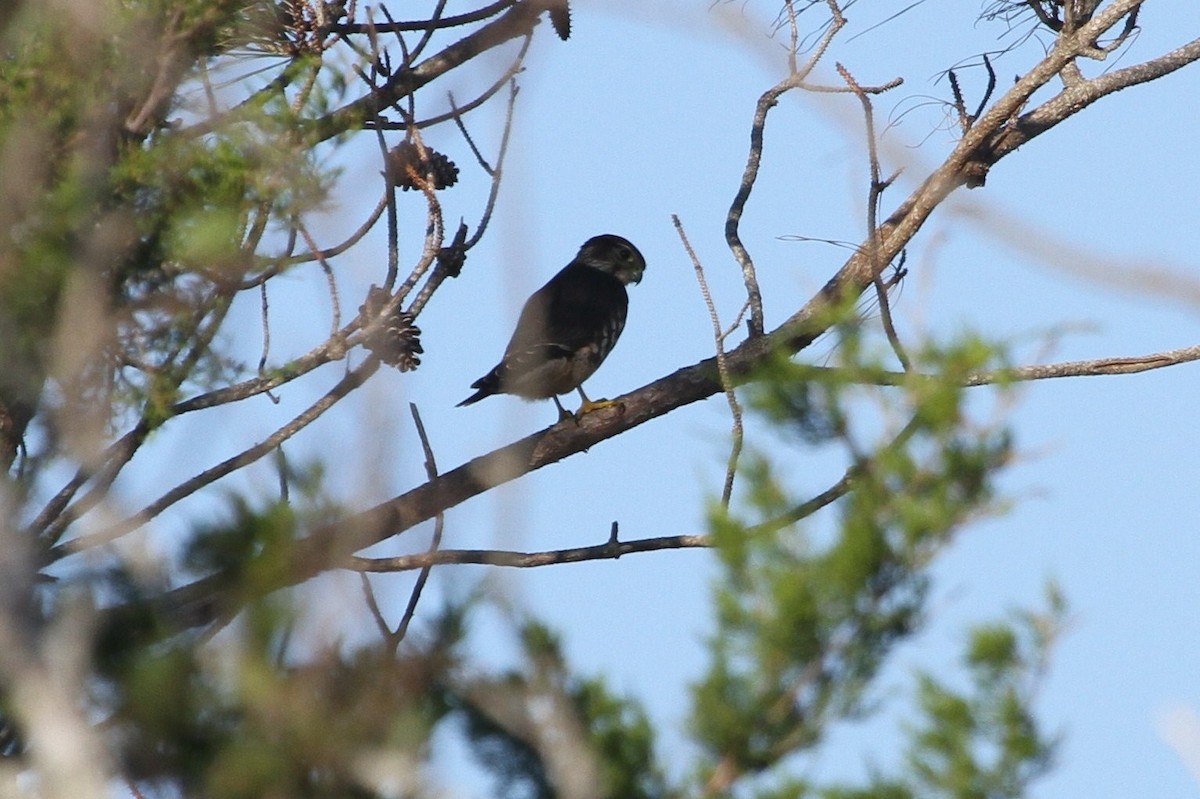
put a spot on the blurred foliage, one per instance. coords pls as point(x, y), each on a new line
point(239, 720)
point(501, 715)
point(239, 715)
point(985, 744)
point(982, 742)
point(128, 233)
point(807, 614)
point(978, 743)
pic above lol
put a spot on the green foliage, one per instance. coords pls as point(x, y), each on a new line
point(979, 743)
point(255, 548)
point(102, 183)
point(241, 716)
point(621, 735)
point(804, 622)
point(879, 789)
point(986, 744)
point(174, 720)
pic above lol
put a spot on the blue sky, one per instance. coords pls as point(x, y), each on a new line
point(645, 113)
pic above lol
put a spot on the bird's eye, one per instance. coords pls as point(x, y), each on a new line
point(625, 253)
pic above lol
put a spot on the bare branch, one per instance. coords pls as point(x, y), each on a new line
point(735, 407)
point(1078, 96)
point(438, 525)
point(54, 518)
point(509, 74)
point(265, 314)
point(517, 21)
point(423, 25)
point(737, 208)
point(1095, 367)
point(526, 560)
point(351, 381)
point(334, 546)
point(964, 121)
point(873, 196)
point(1089, 368)
point(334, 301)
point(373, 606)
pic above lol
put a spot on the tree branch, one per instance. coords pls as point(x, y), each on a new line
point(1079, 96)
point(610, 550)
point(517, 21)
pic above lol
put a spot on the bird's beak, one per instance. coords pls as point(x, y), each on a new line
point(637, 276)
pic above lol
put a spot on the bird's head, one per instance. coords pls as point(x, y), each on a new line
point(614, 255)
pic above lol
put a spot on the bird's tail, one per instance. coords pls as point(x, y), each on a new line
point(488, 385)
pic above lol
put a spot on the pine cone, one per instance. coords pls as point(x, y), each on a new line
point(397, 341)
point(440, 170)
point(560, 18)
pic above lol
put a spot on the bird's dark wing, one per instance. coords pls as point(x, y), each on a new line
point(565, 330)
point(576, 308)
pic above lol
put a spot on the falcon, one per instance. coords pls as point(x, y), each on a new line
point(568, 327)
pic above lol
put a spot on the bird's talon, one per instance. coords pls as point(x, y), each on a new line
point(596, 405)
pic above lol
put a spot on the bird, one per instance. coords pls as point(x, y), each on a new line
point(568, 327)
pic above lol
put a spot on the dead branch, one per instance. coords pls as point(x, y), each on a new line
point(735, 407)
point(438, 526)
point(527, 560)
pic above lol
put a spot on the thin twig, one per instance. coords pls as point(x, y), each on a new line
point(420, 25)
point(434, 230)
point(873, 197)
point(498, 172)
point(56, 516)
point(426, 35)
point(265, 310)
point(426, 122)
point(838, 489)
point(393, 221)
point(456, 116)
point(517, 22)
point(440, 272)
point(334, 300)
point(735, 408)
point(989, 90)
point(737, 208)
point(438, 524)
point(1096, 367)
point(964, 121)
point(284, 472)
point(389, 193)
point(343, 388)
point(306, 90)
point(373, 605)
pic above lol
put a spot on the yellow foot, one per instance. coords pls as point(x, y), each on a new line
point(594, 405)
